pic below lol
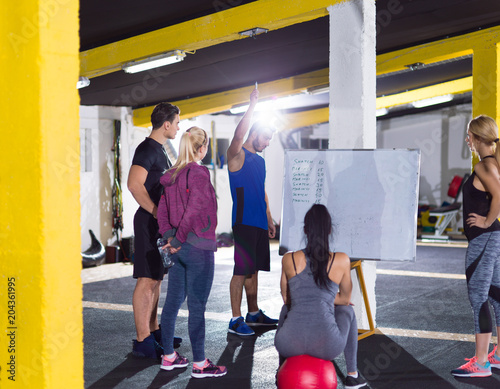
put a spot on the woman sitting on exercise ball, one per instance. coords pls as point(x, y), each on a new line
point(317, 318)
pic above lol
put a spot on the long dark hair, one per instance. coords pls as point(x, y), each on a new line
point(317, 227)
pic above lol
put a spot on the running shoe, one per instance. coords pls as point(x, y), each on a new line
point(148, 348)
point(355, 383)
point(209, 370)
point(260, 319)
point(472, 369)
point(157, 335)
point(177, 363)
point(239, 327)
point(493, 359)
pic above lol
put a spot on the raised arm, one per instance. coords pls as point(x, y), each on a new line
point(136, 179)
point(241, 129)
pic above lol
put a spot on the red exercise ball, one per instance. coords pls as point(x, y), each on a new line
point(306, 372)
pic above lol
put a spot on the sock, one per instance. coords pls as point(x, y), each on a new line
point(354, 375)
point(200, 365)
point(253, 313)
point(234, 318)
point(169, 357)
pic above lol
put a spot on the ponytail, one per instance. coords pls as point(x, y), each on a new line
point(191, 141)
point(497, 151)
point(485, 130)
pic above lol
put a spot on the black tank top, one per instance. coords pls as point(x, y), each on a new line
point(476, 201)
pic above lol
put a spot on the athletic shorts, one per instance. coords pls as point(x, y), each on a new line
point(251, 250)
point(147, 260)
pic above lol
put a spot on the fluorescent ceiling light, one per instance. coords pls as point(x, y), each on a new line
point(154, 62)
point(82, 82)
point(432, 101)
point(267, 105)
point(381, 112)
point(240, 109)
point(318, 90)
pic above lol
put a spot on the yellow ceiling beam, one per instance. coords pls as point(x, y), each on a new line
point(462, 85)
point(305, 118)
point(223, 101)
point(390, 62)
point(196, 34)
point(437, 51)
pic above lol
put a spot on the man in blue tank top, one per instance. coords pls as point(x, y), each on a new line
point(251, 219)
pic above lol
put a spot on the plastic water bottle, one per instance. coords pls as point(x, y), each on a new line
point(166, 257)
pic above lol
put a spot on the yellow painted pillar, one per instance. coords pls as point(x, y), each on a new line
point(40, 286)
point(486, 81)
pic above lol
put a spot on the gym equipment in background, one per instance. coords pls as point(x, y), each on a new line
point(446, 214)
point(306, 372)
point(95, 254)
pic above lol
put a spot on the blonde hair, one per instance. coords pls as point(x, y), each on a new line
point(485, 130)
point(191, 141)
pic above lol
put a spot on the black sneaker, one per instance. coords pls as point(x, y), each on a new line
point(157, 335)
point(148, 348)
point(355, 383)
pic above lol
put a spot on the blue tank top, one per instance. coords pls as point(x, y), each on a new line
point(248, 192)
point(476, 201)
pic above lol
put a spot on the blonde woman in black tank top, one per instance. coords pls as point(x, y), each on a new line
point(481, 209)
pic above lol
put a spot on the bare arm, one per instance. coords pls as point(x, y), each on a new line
point(270, 223)
point(283, 285)
point(241, 129)
point(136, 179)
point(345, 284)
point(284, 279)
point(490, 178)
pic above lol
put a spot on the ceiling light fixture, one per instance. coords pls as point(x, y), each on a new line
point(272, 104)
point(254, 32)
point(154, 62)
point(432, 101)
point(318, 90)
point(381, 112)
point(82, 82)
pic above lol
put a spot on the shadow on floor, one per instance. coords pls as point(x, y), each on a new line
point(237, 357)
point(127, 369)
point(385, 364)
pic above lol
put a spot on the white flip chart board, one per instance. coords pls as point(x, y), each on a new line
point(372, 196)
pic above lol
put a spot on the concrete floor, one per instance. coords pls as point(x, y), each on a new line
point(423, 318)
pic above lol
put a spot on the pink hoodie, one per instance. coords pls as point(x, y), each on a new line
point(188, 208)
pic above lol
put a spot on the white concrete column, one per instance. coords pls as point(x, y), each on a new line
point(352, 75)
point(353, 101)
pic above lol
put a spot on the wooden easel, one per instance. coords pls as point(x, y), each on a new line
point(359, 272)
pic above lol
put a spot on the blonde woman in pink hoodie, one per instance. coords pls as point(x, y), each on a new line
point(187, 216)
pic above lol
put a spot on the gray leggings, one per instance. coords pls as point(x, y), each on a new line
point(292, 340)
point(482, 269)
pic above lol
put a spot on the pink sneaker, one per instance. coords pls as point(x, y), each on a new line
point(209, 370)
point(493, 359)
point(472, 369)
point(177, 363)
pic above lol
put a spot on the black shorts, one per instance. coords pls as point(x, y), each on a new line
point(251, 250)
point(147, 260)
